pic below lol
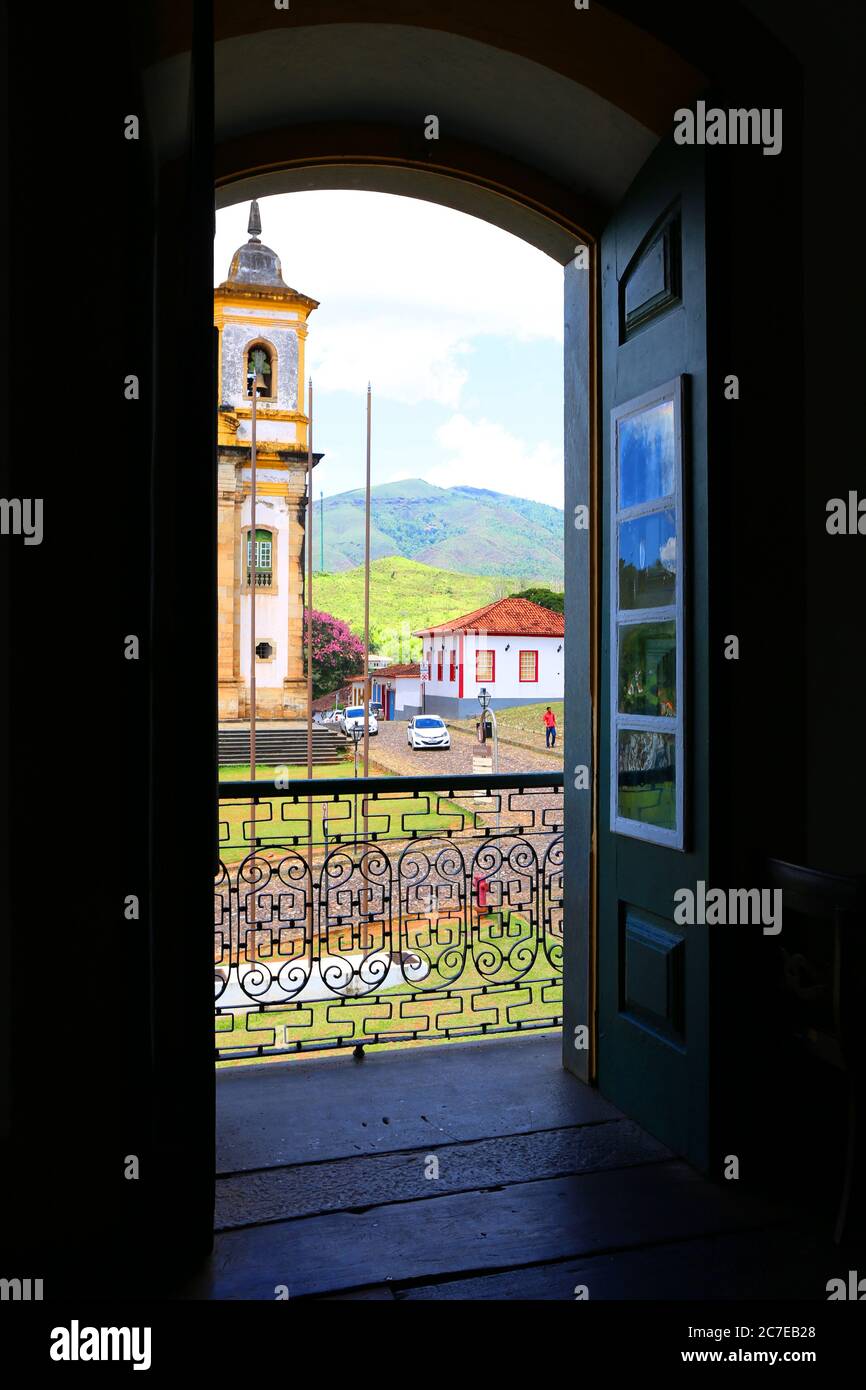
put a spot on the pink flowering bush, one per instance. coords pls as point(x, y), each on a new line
point(337, 654)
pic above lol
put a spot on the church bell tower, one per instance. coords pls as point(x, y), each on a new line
point(262, 326)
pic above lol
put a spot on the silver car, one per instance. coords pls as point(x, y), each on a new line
point(427, 731)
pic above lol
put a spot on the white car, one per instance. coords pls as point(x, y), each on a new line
point(427, 731)
point(353, 717)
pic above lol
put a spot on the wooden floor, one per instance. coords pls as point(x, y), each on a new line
point(474, 1171)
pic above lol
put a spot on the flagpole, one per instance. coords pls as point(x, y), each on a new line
point(367, 604)
point(308, 542)
point(364, 901)
point(253, 578)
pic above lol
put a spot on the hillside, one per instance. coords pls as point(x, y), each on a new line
point(404, 595)
point(469, 529)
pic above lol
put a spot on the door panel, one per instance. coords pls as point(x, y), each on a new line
point(653, 976)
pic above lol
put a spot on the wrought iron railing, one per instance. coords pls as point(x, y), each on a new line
point(386, 910)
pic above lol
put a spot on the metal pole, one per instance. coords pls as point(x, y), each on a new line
point(321, 531)
point(253, 577)
point(309, 545)
point(496, 764)
point(253, 580)
point(367, 602)
point(308, 542)
point(367, 617)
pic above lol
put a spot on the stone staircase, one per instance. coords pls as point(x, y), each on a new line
point(277, 746)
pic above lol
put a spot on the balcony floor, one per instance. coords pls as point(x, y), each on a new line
point(325, 1186)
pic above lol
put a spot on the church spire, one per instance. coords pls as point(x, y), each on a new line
point(255, 223)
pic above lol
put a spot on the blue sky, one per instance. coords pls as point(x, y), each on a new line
point(457, 324)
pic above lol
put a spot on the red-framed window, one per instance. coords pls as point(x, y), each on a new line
point(485, 666)
point(439, 664)
point(528, 666)
point(452, 666)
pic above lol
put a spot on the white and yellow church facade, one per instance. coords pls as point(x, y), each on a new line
point(256, 312)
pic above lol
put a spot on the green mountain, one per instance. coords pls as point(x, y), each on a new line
point(404, 595)
point(468, 529)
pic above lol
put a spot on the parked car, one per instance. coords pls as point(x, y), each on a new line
point(377, 709)
point(427, 731)
point(353, 717)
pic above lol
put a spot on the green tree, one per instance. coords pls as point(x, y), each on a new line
point(546, 598)
point(337, 654)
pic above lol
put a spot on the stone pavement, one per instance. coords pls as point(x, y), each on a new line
point(390, 752)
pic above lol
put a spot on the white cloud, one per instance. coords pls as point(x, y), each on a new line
point(404, 286)
point(482, 453)
point(409, 362)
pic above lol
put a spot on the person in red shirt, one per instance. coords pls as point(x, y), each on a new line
point(549, 728)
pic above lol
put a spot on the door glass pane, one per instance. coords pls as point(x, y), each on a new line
point(648, 561)
point(648, 668)
point(646, 455)
point(646, 777)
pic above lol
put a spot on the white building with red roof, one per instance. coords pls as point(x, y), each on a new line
point(513, 647)
point(397, 688)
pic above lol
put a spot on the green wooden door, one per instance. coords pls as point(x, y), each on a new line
point(653, 976)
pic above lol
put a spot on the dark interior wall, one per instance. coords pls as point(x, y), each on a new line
point(76, 776)
point(111, 776)
point(830, 49)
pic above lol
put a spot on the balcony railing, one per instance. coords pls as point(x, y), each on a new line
point(386, 910)
point(264, 579)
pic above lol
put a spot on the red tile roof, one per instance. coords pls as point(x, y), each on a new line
point(336, 697)
point(410, 670)
point(507, 617)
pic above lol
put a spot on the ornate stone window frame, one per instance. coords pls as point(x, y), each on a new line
point(275, 538)
point(273, 355)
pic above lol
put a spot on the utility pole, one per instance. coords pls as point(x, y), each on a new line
point(321, 531)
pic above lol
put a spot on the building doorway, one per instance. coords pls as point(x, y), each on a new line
point(433, 914)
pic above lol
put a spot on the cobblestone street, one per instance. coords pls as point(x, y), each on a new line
point(390, 751)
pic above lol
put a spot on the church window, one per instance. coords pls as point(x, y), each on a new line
point(264, 558)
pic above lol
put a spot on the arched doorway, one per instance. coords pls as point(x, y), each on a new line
point(576, 160)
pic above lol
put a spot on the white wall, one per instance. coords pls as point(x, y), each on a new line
point(272, 612)
point(507, 684)
point(408, 693)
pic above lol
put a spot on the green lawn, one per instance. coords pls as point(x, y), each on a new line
point(280, 819)
point(521, 724)
point(236, 772)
